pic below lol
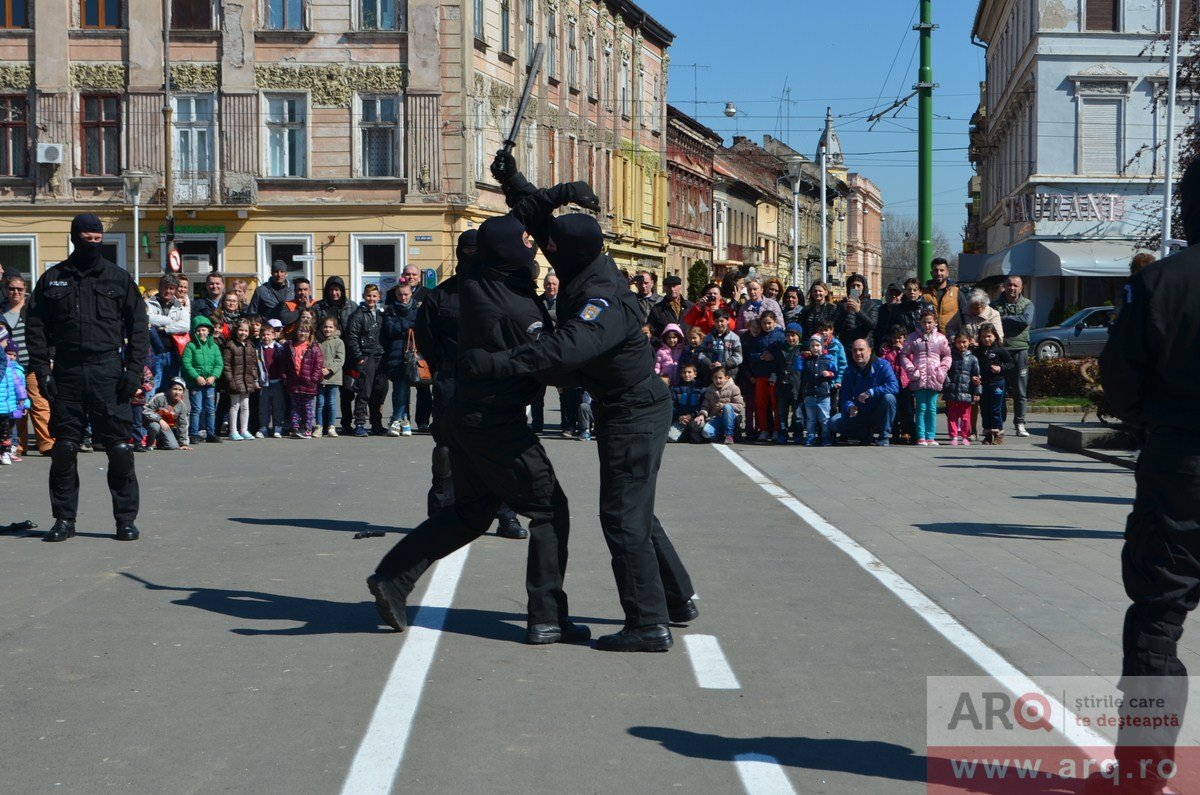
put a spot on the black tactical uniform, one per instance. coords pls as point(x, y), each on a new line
point(88, 316)
point(1148, 372)
point(494, 457)
point(599, 341)
point(436, 335)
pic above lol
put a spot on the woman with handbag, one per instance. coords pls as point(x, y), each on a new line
point(396, 338)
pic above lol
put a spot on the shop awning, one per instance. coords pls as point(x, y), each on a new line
point(1083, 258)
point(1101, 258)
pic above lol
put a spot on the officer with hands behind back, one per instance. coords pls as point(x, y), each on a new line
point(599, 342)
point(88, 316)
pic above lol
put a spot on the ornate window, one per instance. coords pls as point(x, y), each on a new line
point(287, 138)
point(505, 25)
point(101, 127)
point(14, 136)
point(382, 14)
point(378, 133)
point(285, 14)
point(14, 14)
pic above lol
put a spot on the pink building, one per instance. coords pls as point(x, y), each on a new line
point(864, 232)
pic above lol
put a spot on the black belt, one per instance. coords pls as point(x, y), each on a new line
point(85, 358)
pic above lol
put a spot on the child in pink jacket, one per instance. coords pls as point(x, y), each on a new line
point(926, 358)
point(667, 355)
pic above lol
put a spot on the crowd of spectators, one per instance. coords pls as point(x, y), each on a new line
point(750, 360)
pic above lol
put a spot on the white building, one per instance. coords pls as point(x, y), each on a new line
point(1066, 143)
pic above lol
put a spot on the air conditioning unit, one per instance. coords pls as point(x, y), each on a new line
point(51, 154)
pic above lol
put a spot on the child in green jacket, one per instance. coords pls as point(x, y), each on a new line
point(202, 365)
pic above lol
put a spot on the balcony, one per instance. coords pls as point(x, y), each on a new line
point(195, 187)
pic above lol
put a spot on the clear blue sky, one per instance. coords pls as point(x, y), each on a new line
point(835, 54)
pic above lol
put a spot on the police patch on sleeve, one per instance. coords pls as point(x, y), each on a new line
point(592, 309)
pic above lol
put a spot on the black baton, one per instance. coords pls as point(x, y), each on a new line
point(534, 68)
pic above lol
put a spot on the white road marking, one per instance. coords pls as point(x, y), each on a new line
point(762, 775)
point(933, 614)
point(709, 663)
point(374, 767)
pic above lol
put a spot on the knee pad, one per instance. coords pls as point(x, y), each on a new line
point(441, 462)
point(120, 458)
point(64, 452)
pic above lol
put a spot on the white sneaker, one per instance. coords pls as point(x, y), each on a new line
point(260, 435)
point(394, 428)
point(6, 459)
point(933, 443)
point(332, 432)
point(1021, 429)
point(316, 434)
point(406, 430)
point(278, 434)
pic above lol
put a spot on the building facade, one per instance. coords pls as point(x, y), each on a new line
point(346, 137)
point(1068, 145)
point(864, 232)
point(690, 150)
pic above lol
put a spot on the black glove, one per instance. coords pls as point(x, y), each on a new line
point(46, 385)
point(130, 383)
point(504, 167)
point(583, 195)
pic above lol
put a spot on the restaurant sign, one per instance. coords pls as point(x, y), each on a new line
point(1064, 207)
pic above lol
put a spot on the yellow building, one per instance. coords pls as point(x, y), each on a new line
point(351, 140)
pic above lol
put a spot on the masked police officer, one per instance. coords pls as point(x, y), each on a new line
point(1150, 384)
point(599, 340)
point(436, 335)
point(87, 316)
point(494, 456)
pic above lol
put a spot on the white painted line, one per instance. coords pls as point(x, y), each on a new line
point(378, 758)
point(709, 663)
point(762, 775)
point(933, 614)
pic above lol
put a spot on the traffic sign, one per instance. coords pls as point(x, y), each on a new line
point(174, 261)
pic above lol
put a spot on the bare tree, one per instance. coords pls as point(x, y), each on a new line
point(900, 248)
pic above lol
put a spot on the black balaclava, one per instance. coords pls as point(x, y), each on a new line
point(576, 240)
point(85, 254)
point(467, 251)
point(501, 246)
point(1189, 203)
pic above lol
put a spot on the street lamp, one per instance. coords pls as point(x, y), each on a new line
point(795, 167)
point(133, 195)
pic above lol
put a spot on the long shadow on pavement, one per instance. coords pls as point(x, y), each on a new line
point(317, 616)
point(868, 758)
point(337, 525)
point(1021, 531)
point(1076, 498)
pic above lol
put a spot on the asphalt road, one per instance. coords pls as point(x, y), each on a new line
point(235, 648)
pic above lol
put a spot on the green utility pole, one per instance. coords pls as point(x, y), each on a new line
point(925, 88)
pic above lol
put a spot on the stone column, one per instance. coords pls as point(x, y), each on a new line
point(423, 98)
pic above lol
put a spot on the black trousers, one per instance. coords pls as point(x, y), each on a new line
point(87, 395)
point(441, 487)
point(425, 407)
point(631, 437)
point(491, 466)
point(537, 412)
point(368, 404)
point(1160, 568)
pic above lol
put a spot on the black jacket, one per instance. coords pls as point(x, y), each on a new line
point(849, 327)
point(997, 354)
point(812, 318)
point(958, 387)
point(362, 335)
point(437, 329)
point(398, 320)
point(497, 311)
point(327, 307)
point(1148, 366)
point(662, 314)
point(85, 311)
point(906, 314)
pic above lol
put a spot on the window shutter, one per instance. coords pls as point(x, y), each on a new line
point(1101, 136)
point(1102, 15)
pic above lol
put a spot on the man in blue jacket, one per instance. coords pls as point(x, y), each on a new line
point(868, 397)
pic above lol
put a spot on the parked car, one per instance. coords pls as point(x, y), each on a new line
point(1082, 334)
